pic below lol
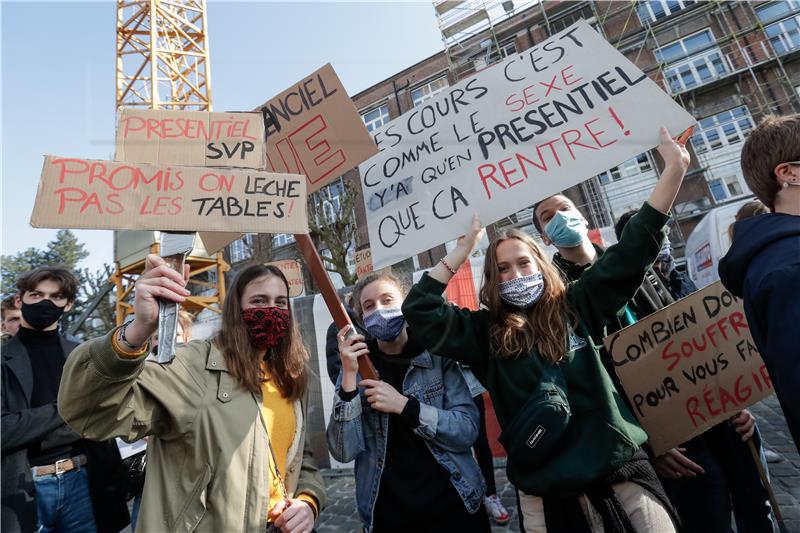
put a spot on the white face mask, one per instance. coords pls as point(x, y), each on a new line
point(523, 291)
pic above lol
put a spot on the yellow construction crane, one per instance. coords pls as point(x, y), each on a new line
point(163, 63)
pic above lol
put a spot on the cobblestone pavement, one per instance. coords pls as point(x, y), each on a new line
point(341, 515)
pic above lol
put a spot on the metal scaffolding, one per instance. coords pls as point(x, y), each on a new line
point(163, 63)
point(162, 55)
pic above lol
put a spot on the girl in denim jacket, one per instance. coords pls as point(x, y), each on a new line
point(410, 433)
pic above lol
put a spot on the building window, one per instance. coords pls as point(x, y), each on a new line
point(723, 129)
point(375, 118)
point(331, 196)
point(428, 91)
point(282, 239)
point(509, 48)
point(692, 61)
point(784, 34)
point(630, 168)
point(776, 10)
point(586, 13)
point(239, 250)
point(725, 188)
point(653, 10)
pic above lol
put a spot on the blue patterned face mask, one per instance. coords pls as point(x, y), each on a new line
point(566, 229)
point(385, 324)
point(523, 291)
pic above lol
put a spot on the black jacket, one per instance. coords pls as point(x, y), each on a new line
point(653, 295)
point(23, 425)
point(763, 267)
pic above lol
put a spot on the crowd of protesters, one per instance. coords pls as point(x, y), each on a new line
point(225, 424)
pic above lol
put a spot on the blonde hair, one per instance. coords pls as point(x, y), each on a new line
point(545, 326)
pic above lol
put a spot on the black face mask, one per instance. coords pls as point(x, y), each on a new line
point(41, 314)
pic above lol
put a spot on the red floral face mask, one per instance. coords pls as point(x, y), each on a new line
point(267, 326)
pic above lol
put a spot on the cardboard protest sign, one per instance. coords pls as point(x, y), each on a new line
point(294, 275)
point(193, 138)
point(92, 194)
point(689, 366)
point(214, 241)
point(363, 263)
point(524, 129)
point(313, 129)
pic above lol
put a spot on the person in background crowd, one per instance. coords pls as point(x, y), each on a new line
point(410, 434)
point(53, 480)
point(752, 208)
point(483, 453)
point(763, 263)
point(134, 466)
point(11, 317)
point(561, 224)
point(573, 445)
point(678, 283)
point(712, 474)
point(226, 418)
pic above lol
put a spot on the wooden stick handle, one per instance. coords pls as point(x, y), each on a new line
point(765, 481)
point(340, 318)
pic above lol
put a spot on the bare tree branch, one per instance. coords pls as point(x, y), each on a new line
point(334, 230)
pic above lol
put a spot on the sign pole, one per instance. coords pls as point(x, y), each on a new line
point(765, 481)
point(340, 318)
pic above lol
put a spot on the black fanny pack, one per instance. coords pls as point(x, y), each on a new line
point(534, 435)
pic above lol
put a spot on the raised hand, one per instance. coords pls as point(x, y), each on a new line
point(470, 241)
point(159, 280)
point(674, 151)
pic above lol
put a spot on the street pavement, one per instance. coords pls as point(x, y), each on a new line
point(340, 516)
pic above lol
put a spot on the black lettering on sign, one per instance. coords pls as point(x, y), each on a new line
point(397, 225)
point(380, 199)
point(443, 209)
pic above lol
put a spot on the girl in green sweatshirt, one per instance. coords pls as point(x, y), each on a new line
point(574, 447)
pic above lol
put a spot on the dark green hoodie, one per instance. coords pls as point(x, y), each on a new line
point(603, 434)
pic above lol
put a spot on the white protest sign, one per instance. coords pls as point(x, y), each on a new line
point(522, 130)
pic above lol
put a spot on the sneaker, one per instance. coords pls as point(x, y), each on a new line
point(771, 456)
point(496, 510)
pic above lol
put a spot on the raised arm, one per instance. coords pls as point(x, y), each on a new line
point(106, 388)
point(610, 283)
point(442, 328)
point(103, 395)
point(676, 161)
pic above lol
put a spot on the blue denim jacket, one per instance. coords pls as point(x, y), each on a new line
point(448, 424)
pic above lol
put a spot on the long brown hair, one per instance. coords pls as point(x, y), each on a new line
point(287, 363)
point(515, 332)
point(750, 209)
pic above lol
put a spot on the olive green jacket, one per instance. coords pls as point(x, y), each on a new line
point(207, 456)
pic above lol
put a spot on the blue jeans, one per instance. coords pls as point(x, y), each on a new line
point(63, 502)
point(137, 502)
